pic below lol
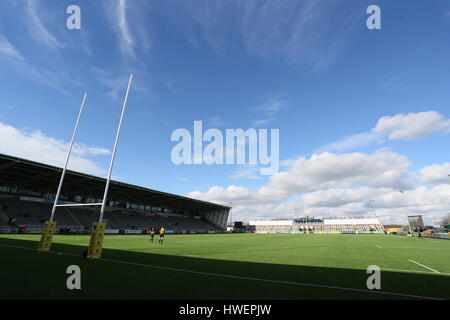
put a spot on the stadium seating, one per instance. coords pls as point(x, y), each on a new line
point(348, 228)
point(275, 229)
point(114, 222)
point(33, 213)
point(175, 223)
point(4, 217)
point(86, 217)
point(319, 225)
point(276, 226)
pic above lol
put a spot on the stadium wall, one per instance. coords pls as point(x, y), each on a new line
point(219, 218)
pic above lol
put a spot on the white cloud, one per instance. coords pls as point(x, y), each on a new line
point(81, 149)
point(38, 147)
point(271, 106)
point(330, 184)
point(433, 203)
point(126, 40)
point(356, 141)
point(117, 14)
point(272, 30)
point(412, 125)
point(7, 48)
point(37, 29)
point(235, 194)
point(400, 126)
point(131, 23)
point(24, 67)
point(326, 184)
point(390, 205)
point(435, 174)
point(341, 185)
point(328, 170)
point(287, 162)
point(340, 196)
point(268, 107)
point(250, 173)
point(114, 84)
point(394, 83)
point(261, 122)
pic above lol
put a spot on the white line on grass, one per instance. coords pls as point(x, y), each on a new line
point(416, 271)
point(446, 249)
point(379, 247)
point(422, 265)
point(241, 277)
point(271, 281)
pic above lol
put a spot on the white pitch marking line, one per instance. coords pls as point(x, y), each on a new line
point(416, 271)
point(269, 280)
point(423, 266)
point(244, 278)
point(379, 247)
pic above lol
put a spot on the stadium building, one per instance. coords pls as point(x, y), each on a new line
point(27, 193)
point(319, 225)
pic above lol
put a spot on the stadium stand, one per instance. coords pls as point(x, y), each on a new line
point(86, 217)
point(32, 213)
point(320, 225)
point(4, 217)
point(278, 226)
point(349, 225)
point(27, 192)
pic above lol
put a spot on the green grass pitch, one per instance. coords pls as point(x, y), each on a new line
point(228, 266)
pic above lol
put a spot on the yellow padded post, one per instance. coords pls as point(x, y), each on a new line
point(96, 242)
point(47, 236)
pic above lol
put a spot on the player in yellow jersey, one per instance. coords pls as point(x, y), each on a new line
point(152, 234)
point(162, 231)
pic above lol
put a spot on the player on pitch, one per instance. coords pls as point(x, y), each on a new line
point(162, 231)
point(152, 234)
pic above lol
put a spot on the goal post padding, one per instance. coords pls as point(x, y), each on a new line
point(47, 236)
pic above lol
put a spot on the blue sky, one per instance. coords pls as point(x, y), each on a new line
point(311, 69)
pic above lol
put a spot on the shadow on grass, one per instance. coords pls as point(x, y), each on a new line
point(29, 274)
